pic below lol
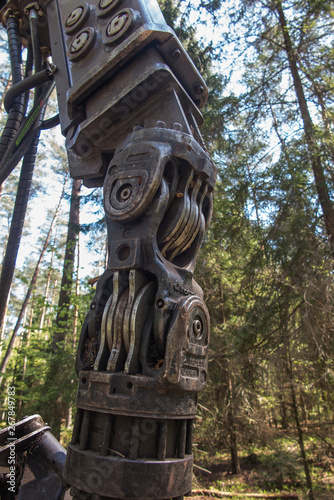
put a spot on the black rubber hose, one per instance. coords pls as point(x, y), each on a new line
point(28, 83)
point(18, 109)
point(35, 40)
point(20, 208)
point(27, 72)
point(26, 139)
point(50, 123)
point(24, 136)
point(33, 19)
point(15, 54)
point(29, 62)
point(22, 196)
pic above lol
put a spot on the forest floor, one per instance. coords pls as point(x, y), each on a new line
point(272, 469)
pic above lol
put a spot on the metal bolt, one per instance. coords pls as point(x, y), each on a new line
point(74, 17)
point(200, 89)
point(160, 303)
point(197, 328)
point(136, 128)
point(177, 126)
point(176, 53)
point(34, 6)
point(160, 124)
point(79, 42)
point(125, 194)
point(117, 24)
point(104, 4)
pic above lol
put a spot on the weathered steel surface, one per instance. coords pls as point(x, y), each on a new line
point(129, 99)
point(39, 459)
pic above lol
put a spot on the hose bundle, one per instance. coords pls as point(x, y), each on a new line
point(20, 137)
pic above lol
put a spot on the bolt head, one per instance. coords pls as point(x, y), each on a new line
point(79, 42)
point(104, 4)
point(177, 126)
point(160, 124)
point(176, 54)
point(160, 303)
point(74, 17)
point(200, 90)
point(125, 194)
point(197, 328)
point(117, 24)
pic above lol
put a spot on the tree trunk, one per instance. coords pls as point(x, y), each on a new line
point(2, 329)
point(32, 285)
point(284, 416)
point(64, 302)
point(76, 308)
point(56, 411)
point(310, 136)
point(292, 393)
point(231, 427)
point(300, 435)
point(26, 340)
point(46, 294)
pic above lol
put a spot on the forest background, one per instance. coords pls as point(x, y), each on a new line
point(266, 419)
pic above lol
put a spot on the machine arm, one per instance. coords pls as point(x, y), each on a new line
point(129, 99)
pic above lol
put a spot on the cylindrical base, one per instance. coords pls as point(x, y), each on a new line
point(118, 478)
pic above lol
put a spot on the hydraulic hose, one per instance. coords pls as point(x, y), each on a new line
point(33, 20)
point(18, 108)
point(27, 72)
point(25, 135)
point(14, 41)
point(25, 143)
point(50, 123)
point(21, 202)
point(28, 83)
point(13, 244)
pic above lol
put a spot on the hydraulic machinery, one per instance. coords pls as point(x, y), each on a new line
point(129, 102)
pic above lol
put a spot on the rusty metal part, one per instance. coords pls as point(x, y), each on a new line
point(43, 470)
point(129, 99)
point(137, 403)
point(40, 456)
point(108, 74)
point(23, 433)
